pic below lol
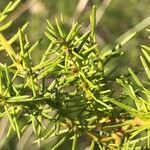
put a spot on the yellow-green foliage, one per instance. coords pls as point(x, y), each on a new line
point(71, 90)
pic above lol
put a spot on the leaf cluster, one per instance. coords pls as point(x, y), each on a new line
point(66, 95)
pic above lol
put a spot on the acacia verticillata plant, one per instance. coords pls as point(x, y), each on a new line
point(69, 89)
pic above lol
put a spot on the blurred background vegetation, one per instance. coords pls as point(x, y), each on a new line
point(115, 19)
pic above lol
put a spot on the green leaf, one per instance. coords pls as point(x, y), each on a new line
point(10, 118)
point(129, 90)
point(92, 146)
point(93, 23)
point(123, 42)
point(89, 49)
point(59, 28)
point(50, 37)
point(147, 56)
point(74, 144)
point(60, 143)
point(73, 32)
point(138, 82)
point(5, 26)
point(82, 39)
point(146, 67)
point(121, 105)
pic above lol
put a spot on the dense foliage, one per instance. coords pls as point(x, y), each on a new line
point(71, 97)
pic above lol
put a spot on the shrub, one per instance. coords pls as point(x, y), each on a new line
point(69, 97)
